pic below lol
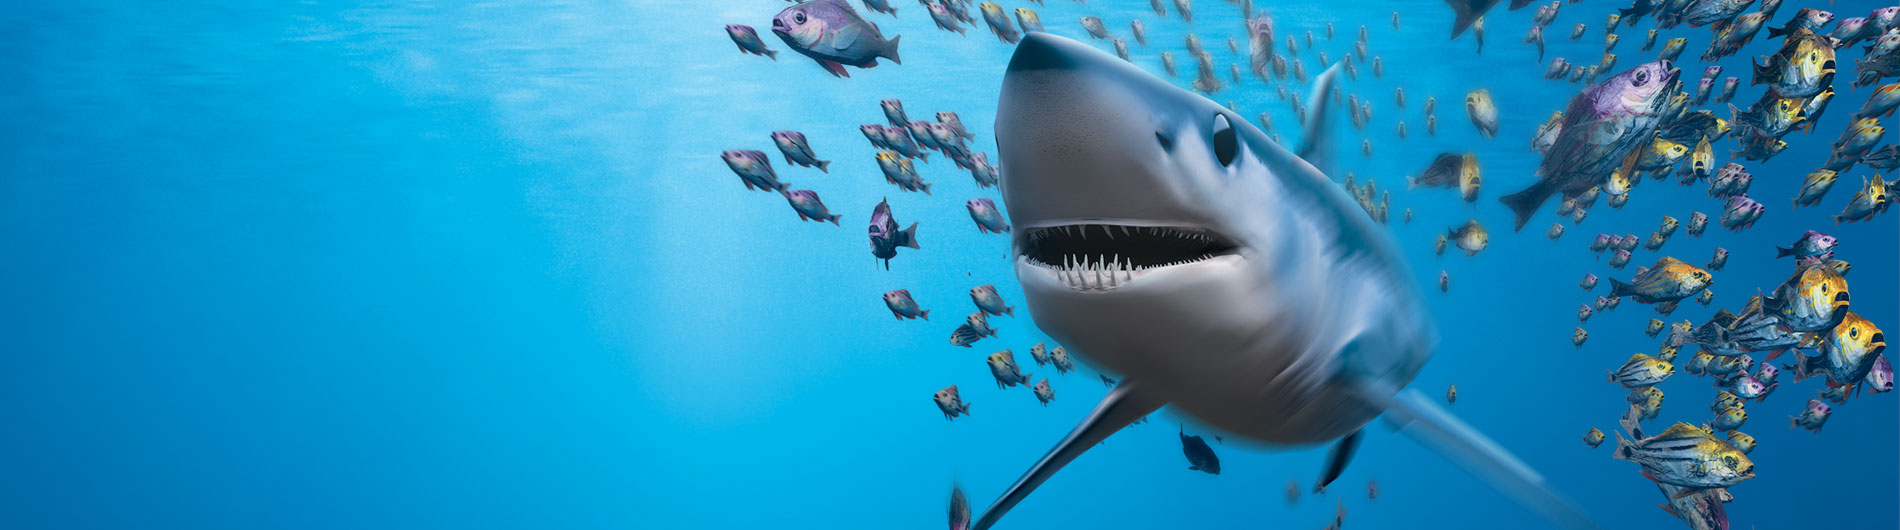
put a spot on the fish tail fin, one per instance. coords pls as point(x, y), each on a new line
point(772, 53)
point(834, 219)
point(966, 408)
point(1778, 32)
point(824, 165)
point(1764, 73)
point(926, 188)
point(890, 47)
point(1525, 203)
point(926, 314)
point(910, 236)
point(1619, 289)
point(1612, 376)
point(1009, 310)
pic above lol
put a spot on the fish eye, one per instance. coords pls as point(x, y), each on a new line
point(798, 17)
point(1642, 77)
point(1226, 142)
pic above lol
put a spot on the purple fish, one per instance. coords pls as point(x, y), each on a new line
point(885, 237)
point(1813, 417)
point(1720, 259)
point(1741, 212)
point(989, 301)
point(1812, 245)
point(1601, 126)
point(988, 220)
point(832, 33)
point(1589, 282)
point(1880, 377)
point(982, 171)
point(809, 208)
point(754, 169)
point(748, 40)
point(894, 112)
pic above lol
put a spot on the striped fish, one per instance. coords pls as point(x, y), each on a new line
point(1701, 509)
point(1688, 457)
point(1641, 370)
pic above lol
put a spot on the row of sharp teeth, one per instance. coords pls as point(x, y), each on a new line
point(1101, 274)
point(1082, 231)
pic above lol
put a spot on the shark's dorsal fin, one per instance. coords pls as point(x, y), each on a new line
point(1124, 404)
point(1416, 415)
point(1316, 142)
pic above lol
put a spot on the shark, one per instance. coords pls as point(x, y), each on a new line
point(1169, 240)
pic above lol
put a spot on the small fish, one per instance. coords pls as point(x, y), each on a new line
point(1444, 282)
point(1620, 259)
point(899, 139)
point(1030, 21)
point(1879, 378)
point(952, 406)
point(1655, 241)
point(1729, 87)
point(797, 151)
point(1556, 231)
point(1003, 367)
point(886, 238)
point(1741, 441)
point(875, 133)
point(1042, 391)
point(903, 306)
point(1641, 370)
point(1801, 68)
point(1672, 49)
point(1577, 337)
point(1584, 312)
point(1811, 245)
point(1589, 282)
point(1767, 374)
point(1200, 457)
point(947, 20)
point(1730, 37)
point(1186, 9)
point(1847, 352)
point(1807, 18)
point(881, 6)
point(1687, 457)
point(1730, 419)
point(1470, 238)
point(1649, 41)
point(832, 33)
point(1741, 212)
point(1593, 438)
point(1747, 387)
point(1669, 280)
point(987, 299)
point(982, 171)
point(898, 170)
point(1140, 31)
point(808, 206)
point(1871, 199)
point(1654, 327)
point(1093, 25)
point(1812, 417)
point(1577, 32)
point(999, 23)
point(1601, 243)
point(1705, 297)
point(754, 170)
point(1039, 353)
point(988, 219)
point(1547, 133)
point(748, 40)
point(1720, 259)
point(1167, 62)
point(1060, 357)
point(1484, 113)
point(1451, 394)
point(1731, 180)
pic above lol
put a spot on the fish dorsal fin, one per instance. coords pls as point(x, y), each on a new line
point(1634, 358)
point(1315, 138)
point(1684, 430)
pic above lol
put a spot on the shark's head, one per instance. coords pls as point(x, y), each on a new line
point(1165, 237)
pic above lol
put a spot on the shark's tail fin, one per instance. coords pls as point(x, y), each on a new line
point(1419, 417)
point(1525, 203)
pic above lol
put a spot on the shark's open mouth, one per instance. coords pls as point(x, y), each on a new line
point(1105, 256)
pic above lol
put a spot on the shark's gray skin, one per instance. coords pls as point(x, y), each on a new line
point(1171, 241)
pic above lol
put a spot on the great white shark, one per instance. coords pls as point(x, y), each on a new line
point(1163, 237)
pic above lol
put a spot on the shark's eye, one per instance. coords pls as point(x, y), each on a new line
point(1226, 142)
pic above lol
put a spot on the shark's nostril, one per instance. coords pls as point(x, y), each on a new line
point(1166, 143)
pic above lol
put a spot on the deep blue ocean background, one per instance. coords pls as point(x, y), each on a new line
point(479, 265)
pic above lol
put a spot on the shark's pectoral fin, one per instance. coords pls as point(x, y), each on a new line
point(1337, 459)
point(1419, 417)
point(1123, 405)
point(1316, 139)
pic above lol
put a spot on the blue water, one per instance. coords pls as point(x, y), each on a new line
point(458, 265)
